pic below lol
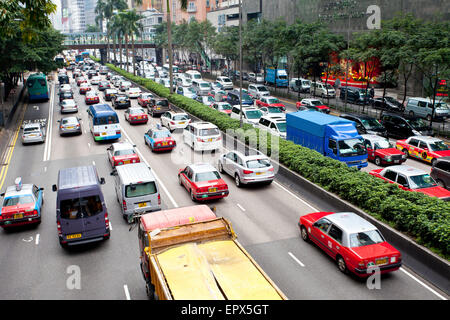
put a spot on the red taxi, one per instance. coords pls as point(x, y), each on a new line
point(313, 104)
point(381, 151)
point(91, 97)
point(81, 80)
point(136, 115)
point(412, 179)
point(84, 87)
point(424, 148)
point(355, 244)
point(203, 182)
point(122, 153)
point(269, 101)
point(144, 99)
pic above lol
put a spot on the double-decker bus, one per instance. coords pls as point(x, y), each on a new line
point(37, 87)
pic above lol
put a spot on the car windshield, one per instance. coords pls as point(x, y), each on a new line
point(205, 85)
point(366, 238)
point(191, 89)
point(18, 200)
point(371, 123)
point(225, 107)
point(351, 147)
point(281, 126)
point(253, 114)
point(273, 100)
point(440, 105)
point(438, 146)
point(140, 189)
point(274, 110)
point(258, 163)
point(206, 176)
point(226, 80)
point(208, 132)
point(262, 89)
point(146, 96)
point(383, 144)
point(124, 152)
point(416, 123)
point(422, 181)
point(316, 102)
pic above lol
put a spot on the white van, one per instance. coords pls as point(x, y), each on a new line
point(193, 75)
point(202, 136)
point(136, 189)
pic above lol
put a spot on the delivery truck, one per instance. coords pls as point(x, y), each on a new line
point(329, 135)
point(190, 254)
point(279, 74)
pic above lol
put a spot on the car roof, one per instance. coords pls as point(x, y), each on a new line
point(358, 116)
point(202, 124)
point(274, 117)
point(373, 137)
point(406, 170)
point(350, 222)
point(134, 173)
point(11, 190)
point(425, 138)
point(122, 146)
point(202, 167)
point(32, 125)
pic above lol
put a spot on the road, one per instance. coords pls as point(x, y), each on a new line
point(34, 266)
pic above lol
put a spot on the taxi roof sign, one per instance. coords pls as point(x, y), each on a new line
point(18, 183)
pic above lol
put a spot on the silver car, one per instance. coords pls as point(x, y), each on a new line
point(69, 125)
point(33, 132)
point(247, 167)
point(68, 105)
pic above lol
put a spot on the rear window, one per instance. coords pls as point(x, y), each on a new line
point(163, 103)
point(208, 132)
point(362, 239)
point(180, 117)
point(124, 152)
point(112, 119)
point(31, 129)
point(140, 189)
point(83, 207)
point(24, 199)
point(69, 121)
point(258, 163)
point(206, 176)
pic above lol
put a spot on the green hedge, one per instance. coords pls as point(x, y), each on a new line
point(424, 218)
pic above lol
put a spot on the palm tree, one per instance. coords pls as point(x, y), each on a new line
point(133, 27)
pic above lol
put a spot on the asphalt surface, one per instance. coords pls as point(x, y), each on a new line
point(34, 266)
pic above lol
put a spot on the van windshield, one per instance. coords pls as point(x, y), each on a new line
point(140, 189)
point(351, 147)
point(83, 207)
point(112, 119)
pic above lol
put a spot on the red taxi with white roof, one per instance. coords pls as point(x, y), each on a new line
point(91, 97)
point(355, 244)
point(122, 153)
point(313, 104)
point(203, 182)
point(144, 99)
point(412, 179)
point(136, 115)
point(269, 101)
point(84, 87)
point(424, 148)
point(381, 151)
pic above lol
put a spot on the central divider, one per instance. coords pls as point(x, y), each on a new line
point(418, 215)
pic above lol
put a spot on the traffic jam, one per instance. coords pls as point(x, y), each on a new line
point(112, 104)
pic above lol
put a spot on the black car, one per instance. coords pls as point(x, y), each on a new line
point(91, 73)
point(366, 124)
point(120, 101)
point(63, 78)
point(63, 95)
point(157, 106)
point(440, 172)
point(403, 126)
point(388, 104)
point(354, 95)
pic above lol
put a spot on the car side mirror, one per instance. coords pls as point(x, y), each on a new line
point(2, 195)
point(113, 173)
point(54, 188)
point(41, 189)
point(102, 180)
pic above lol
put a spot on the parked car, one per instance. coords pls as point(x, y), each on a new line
point(366, 124)
point(440, 172)
point(424, 148)
point(247, 167)
point(355, 244)
point(381, 151)
point(203, 182)
point(412, 179)
point(403, 127)
point(423, 108)
point(388, 104)
point(354, 95)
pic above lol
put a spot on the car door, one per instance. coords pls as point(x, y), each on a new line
point(370, 149)
point(319, 231)
point(334, 241)
point(229, 162)
point(414, 147)
point(423, 150)
point(390, 176)
point(402, 181)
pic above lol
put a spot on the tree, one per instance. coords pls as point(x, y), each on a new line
point(227, 43)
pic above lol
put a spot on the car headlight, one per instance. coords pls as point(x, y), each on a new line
point(364, 161)
point(393, 259)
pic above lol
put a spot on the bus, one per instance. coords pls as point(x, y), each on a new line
point(85, 55)
point(78, 58)
point(37, 87)
point(103, 122)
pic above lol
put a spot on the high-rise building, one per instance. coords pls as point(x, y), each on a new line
point(89, 12)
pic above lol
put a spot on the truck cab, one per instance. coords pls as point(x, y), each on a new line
point(277, 76)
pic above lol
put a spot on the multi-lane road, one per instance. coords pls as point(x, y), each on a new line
point(34, 266)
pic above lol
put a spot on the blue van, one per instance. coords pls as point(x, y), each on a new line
point(81, 214)
point(103, 122)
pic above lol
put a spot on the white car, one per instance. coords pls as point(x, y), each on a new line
point(258, 90)
point(133, 92)
point(124, 85)
point(274, 124)
point(226, 83)
point(175, 120)
point(250, 115)
point(202, 136)
point(187, 92)
point(96, 79)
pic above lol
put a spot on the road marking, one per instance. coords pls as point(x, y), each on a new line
point(89, 145)
point(48, 138)
point(153, 171)
point(297, 197)
point(110, 226)
point(37, 239)
point(240, 207)
point(93, 162)
point(45, 169)
point(127, 293)
point(4, 171)
point(295, 259)
point(423, 284)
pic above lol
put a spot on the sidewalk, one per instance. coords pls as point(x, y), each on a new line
point(8, 106)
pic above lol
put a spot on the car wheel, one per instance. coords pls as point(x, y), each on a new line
point(441, 183)
point(378, 161)
point(341, 264)
point(304, 234)
point(237, 180)
point(433, 161)
point(220, 168)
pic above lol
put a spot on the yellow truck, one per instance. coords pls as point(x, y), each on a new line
point(190, 254)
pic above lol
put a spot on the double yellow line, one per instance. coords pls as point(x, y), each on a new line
point(10, 150)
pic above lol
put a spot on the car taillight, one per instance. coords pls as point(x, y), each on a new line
point(159, 199)
point(200, 140)
point(117, 131)
point(106, 220)
point(58, 225)
point(96, 134)
point(172, 123)
point(124, 205)
point(247, 171)
point(271, 169)
point(33, 213)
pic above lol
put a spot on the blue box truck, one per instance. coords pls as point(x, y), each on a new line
point(281, 77)
point(329, 135)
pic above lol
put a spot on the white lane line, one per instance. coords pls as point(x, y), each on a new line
point(295, 196)
point(296, 260)
point(89, 145)
point(110, 225)
point(423, 284)
point(127, 293)
point(37, 239)
point(49, 124)
point(45, 169)
point(93, 162)
point(240, 207)
point(153, 171)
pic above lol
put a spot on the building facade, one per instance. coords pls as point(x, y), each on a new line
point(223, 13)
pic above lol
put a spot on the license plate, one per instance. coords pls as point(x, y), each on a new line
point(142, 204)
point(73, 236)
point(164, 143)
point(181, 122)
point(18, 216)
point(126, 161)
point(381, 261)
point(158, 108)
point(139, 117)
point(103, 133)
point(69, 127)
point(210, 140)
point(212, 189)
point(396, 161)
point(259, 173)
point(32, 135)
